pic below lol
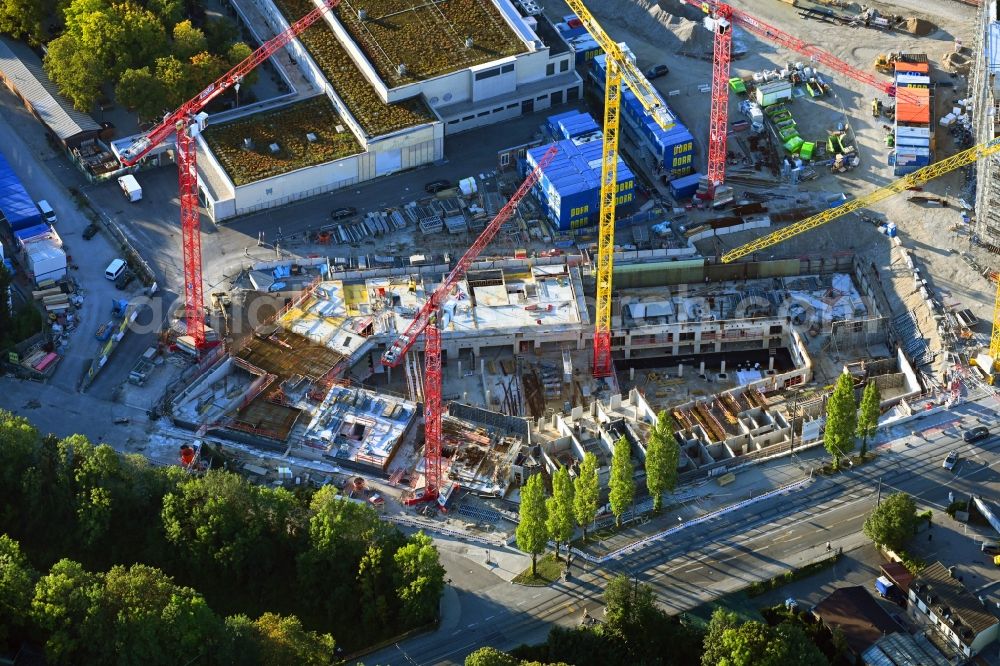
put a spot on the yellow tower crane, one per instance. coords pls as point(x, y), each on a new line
point(618, 68)
point(914, 179)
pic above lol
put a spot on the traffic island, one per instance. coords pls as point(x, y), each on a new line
point(548, 571)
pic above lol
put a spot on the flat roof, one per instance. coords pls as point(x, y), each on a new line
point(374, 115)
point(287, 128)
point(428, 37)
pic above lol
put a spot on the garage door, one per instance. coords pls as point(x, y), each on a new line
point(388, 161)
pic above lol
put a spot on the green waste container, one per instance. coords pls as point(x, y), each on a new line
point(737, 85)
point(793, 144)
point(806, 151)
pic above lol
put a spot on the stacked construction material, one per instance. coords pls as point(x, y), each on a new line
point(913, 125)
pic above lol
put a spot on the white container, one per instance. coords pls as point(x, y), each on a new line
point(46, 261)
point(130, 187)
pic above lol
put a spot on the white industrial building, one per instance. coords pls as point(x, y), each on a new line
point(541, 75)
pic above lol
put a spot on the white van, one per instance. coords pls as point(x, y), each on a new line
point(48, 214)
point(130, 187)
point(114, 269)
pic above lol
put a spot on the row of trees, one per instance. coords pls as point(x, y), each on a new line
point(845, 421)
point(636, 631)
point(248, 549)
point(15, 325)
point(153, 57)
point(575, 502)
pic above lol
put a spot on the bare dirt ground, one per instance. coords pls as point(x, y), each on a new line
point(661, 31)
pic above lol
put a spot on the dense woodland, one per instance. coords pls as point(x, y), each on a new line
point(151, 55)
point(105, 559)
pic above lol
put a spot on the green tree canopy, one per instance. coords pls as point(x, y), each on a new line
point(76, 71)
point(841, 419)
point(283, 640)
point(531, 533)
point(27, 19)
point(560, 523)
point(188, 40)
point(140, 91)
point(488, 656)
point(893, 522)
point(622, 483)
point(662, 457)
point(17, 586)
point(730, 642)
point(420, 578)
point(586, 493)
point(868, 414)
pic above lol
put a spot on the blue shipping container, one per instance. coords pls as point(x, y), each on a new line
point(31, 232)
point(684, 187)
point(570, 185)
point(16, 205)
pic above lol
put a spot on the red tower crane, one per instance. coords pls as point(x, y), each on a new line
point(184, 123)
point(426, 322)
point(725, 16)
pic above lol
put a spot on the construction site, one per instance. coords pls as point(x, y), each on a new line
point(754, 245)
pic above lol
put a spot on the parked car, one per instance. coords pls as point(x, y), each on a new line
point(124, 280)
point(90, 231)
point(656, 71)
point(343, 213)
point(950, 462)
point(436, 186)
point(976, 434)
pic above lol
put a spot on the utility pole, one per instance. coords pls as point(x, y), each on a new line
point(878, 497)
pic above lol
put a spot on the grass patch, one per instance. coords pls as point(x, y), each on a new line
point(548, 571)
point(286, 127)
point(375, 116)
point(760, 587)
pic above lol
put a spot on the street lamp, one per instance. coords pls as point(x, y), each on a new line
point(237, 87)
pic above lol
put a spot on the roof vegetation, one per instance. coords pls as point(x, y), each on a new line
point(429, 37)
point(375, 116)
point(287, 127)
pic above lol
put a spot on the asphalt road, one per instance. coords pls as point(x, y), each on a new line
point(727, 553)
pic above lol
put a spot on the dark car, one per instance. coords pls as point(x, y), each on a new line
point(976, 434)
point(124, 280)
point(343, 213)
point(436, 186)
point(656, 71)
point(90, 231)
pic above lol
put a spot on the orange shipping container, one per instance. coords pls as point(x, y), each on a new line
point(910, 111)
point(915, 67)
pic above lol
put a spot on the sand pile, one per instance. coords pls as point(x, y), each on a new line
point(918, 26)
point(678, 30)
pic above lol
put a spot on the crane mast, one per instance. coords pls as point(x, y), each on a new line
point(426, 322)
point(184, 124)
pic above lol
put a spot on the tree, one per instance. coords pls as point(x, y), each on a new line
point(173, 76)
point(188, 40)
point(283, 640)
point(868, 414)
point(793, 647)
point(170, 12)
point(488, 656)
point(841, 419)
point(586, 493)
point(204, 69)
point(628, 604)
point(559, 507)
point(531, 533)
point(76, 71)
point(236, 54)
point(732, 643)
point(892, 522)
point(138, 90)
point(622, 484)
point(419, 578)
point(662, 457)
point(17, 586)
point(26, 19)
point(65, 601)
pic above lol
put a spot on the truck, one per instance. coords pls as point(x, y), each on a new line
point(754, 113)
point(130, 187)
point(16, 205)
point(888, 590)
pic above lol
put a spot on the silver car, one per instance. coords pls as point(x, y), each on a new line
point(950, 462)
